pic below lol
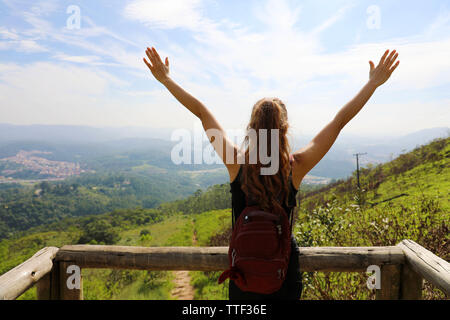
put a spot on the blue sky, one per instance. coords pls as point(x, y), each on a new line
point(312, 54)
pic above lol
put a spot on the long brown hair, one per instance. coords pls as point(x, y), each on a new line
point(268, 191)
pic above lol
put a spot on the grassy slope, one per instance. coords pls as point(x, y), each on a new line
point(326, 218)
point(99, 284)
point(207, 225)
point(135, 285)
point(333, 218)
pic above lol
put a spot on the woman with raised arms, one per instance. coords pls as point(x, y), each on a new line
point(279, 188)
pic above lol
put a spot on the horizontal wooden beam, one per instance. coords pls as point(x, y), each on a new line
point(427, 264)
point(216, 258)
point(347, 259)
point(19, 279)
point(145, 258)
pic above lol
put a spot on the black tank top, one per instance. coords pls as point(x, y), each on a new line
point(238, 197)
point(292, 286)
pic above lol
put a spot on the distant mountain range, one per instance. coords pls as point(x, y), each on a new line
point(340, 161)
point(67, 142)
point(79, 134)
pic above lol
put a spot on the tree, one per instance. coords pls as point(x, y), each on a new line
point(99, 231)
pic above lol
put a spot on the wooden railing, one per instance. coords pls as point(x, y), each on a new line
point(403, 267)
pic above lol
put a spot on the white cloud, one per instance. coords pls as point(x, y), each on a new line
point(440, 26)
point(27, 46)
point(333, 19)
point(50, 78)
point(167, 14)
point(90, 37)
point(78, 59)
point(53, 93)
point(61, 93)
point(400, 118)
point(13, 40)
point(278, 15)
point(282, 60)
point(278, 59)
point(8, 34)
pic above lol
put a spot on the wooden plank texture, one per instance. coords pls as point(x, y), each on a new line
point(427, 264)
point(390, 282)
point(216, 258)
point(410, 284)
point(19, 279)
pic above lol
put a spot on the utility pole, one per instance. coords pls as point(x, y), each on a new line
point(357, 166)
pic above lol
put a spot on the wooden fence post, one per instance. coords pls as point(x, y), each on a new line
point(43, 287)
point(69, 275)
point(48, 286)
point(410, 284)
point(425, 263)
point(390, 282)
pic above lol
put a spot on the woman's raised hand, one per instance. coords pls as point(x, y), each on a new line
point(379, 74)
point(159, 69)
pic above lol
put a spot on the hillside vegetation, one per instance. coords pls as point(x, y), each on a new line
point(407, 198)
point(24, 207)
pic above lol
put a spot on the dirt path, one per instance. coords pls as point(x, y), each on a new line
point(183, 289)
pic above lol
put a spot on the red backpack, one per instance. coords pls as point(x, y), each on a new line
point(259, 250)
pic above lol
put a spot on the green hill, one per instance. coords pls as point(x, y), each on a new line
point(407, 198)
point(24, 207)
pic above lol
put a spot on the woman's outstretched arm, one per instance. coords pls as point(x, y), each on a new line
point(216, 134)
point(306, 158)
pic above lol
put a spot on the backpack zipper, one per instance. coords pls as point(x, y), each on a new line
point(280, 273)
point(233, 257)
point(279, 228)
